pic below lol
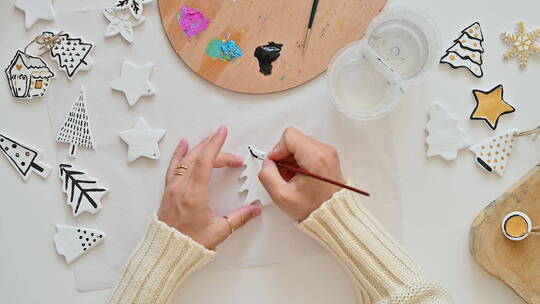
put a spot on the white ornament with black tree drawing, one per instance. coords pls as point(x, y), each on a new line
point(445, 138)
point(71, 53)
point(135, 7)
point(251, 183)
point(28, 76)
point(72, 242)
point(467, 51)
point(23, 158)
point(83, 193)
point(76, 130)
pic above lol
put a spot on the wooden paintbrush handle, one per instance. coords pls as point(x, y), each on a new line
point(321, 178)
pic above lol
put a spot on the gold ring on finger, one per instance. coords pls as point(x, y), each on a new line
point(229, 223)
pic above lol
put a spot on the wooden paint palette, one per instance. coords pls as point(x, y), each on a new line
point(252, 23)
point(516, 263)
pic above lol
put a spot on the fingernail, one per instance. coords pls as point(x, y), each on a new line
point(256, 212)
point(239, 158)
point(221, 130)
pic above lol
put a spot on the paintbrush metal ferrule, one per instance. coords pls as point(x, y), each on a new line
point(306, 39)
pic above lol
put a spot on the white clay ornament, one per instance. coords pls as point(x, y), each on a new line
point(467, 51)
point(72, 242)
point(255, 190)
point(121, 22)
point(28, 76)
point(23, 158)
point(35, 10)
point(76, 130)
point(142, 141)
point(444, 138)
point(134, 82)
point(83, 193)
point(493, 154)
point(135, 7)
point(71, 53)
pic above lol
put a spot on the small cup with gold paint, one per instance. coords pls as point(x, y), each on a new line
point(517, 226)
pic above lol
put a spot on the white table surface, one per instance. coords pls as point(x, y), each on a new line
point(440, 199)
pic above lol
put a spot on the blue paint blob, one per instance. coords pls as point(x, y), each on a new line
point(225, 50)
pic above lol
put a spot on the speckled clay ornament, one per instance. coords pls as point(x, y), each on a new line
point(23, 158)
point(35, 10)
point(142, 140)
point(134, 82)
point(71, 53)
point(444, 138)
point(28, 76)
point(255, 190)
point(83, 193)
point(493, 154)
point(490, 106)
point(467, 51)
point(72, 242)
point(76, 130)
point(522, 44)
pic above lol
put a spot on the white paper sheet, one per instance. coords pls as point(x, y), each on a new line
point(190, 107)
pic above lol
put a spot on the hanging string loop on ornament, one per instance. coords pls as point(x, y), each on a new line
point(46, 42)
point(535, 131)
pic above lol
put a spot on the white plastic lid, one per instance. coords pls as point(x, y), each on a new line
point(367, 77)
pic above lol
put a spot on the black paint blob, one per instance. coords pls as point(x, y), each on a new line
point(266, 54)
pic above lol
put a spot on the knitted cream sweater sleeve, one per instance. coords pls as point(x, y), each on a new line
point(161, 261)
point(381, 270)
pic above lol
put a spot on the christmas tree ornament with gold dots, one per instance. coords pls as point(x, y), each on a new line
point(467, 50)
point(522, 44)
point(490, 106)
point(493, 154)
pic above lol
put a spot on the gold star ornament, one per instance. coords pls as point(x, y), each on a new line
point(521, 44)
point(490, 106)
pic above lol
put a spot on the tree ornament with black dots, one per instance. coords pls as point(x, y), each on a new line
point(72, 242)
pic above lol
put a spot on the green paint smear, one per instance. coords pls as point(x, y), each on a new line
point(214, 48)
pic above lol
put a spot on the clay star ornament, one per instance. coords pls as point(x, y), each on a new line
point(135, 6)
point(522, 44)
point(121, 22)
point(35, 10)
point(142, 141)
point(134, 82)
point(490, 106)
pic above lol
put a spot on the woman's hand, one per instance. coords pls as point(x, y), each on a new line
point(299, 195)
point(185, 203)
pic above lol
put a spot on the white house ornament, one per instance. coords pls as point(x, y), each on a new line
point(134, 82)
point(121, 22)
point(71, 53)
point(83, 193)
point(252, 167)
point(522, 44)
point(444, 138)
point(25, 159)
point(28, 76)
point(72, 242)
point(35, 10)
point(76, 130)
point(142, 141)
point(467, 51)
point(135, 7)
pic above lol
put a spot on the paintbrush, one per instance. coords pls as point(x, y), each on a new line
point(307, 173)
point(310, 23)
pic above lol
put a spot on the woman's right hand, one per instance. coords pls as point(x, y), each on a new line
point(299, 195)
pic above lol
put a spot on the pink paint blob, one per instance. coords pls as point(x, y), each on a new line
point(192, 21)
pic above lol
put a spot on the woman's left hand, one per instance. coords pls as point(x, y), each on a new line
point(185, 204)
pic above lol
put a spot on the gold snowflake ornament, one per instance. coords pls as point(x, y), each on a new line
point(522, 44)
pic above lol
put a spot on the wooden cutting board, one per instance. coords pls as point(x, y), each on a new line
point(252, 23)
point(515, 263)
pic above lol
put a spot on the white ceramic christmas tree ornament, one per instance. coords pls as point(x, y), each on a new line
point(72, 242)
point(134, 82)
point(467, 51)
point(83, 193)
point(493, 154)
point(35, 10)
point(23, 158)
point(121, 22)
point(255, 190)
point(76, 130)
point(71, 53)
point(142, 141)
point(444, 138)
